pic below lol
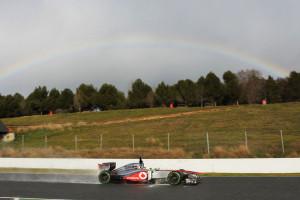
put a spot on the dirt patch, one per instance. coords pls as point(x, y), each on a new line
point(51, 126)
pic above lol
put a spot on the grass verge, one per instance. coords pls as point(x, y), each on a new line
point(153, 129)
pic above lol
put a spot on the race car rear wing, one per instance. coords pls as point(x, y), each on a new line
point(107, 166)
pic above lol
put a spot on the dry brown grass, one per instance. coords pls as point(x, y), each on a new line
point(232, 152)
point(24, 129)
point(293, 154)
point(81, 123)
point(152, 141)
point(55, 126)
point(37, 152)
point(59, 152)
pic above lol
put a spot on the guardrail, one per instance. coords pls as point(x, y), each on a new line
point(248, 165)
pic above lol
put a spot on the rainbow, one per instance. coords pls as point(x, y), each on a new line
point(145, 42)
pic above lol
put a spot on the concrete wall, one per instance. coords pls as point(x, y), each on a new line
point(251, 165)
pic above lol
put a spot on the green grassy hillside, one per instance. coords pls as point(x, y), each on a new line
point(187, 128)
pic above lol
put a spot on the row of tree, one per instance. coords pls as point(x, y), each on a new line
point(244, 87)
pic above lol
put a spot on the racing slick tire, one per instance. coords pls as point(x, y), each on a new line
point(174, 178)
point(104, 177)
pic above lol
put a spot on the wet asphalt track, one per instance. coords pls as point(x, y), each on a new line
point(223, 188)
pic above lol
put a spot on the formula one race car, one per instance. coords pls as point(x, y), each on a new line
point(137, 173)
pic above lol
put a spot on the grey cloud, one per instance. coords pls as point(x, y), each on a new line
point(265, 29)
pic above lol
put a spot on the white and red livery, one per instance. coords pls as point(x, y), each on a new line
point(137, 173)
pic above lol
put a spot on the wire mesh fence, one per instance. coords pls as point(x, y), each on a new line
point(247, 142)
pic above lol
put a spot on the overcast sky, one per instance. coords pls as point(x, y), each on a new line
point(62, 43)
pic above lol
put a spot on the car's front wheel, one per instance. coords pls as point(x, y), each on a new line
point(104, 177)
point(174, 178)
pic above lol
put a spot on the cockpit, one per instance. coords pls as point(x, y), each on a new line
point(131, 166)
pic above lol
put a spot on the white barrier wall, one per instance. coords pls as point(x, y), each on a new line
point(251, 165)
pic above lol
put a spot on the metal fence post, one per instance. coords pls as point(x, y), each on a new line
point(46, 142)
point(23, 142)
point(75, 140)
point(282, 143)
point(168, 141)
point(100, 142)
point(207, 142)
point(246, 139)
point(133, 142)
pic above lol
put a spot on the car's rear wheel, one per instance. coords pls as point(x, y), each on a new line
point(104, 177)
point(174, 178)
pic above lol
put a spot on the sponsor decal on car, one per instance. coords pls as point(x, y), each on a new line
point(143, 175)
point(140, 176)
